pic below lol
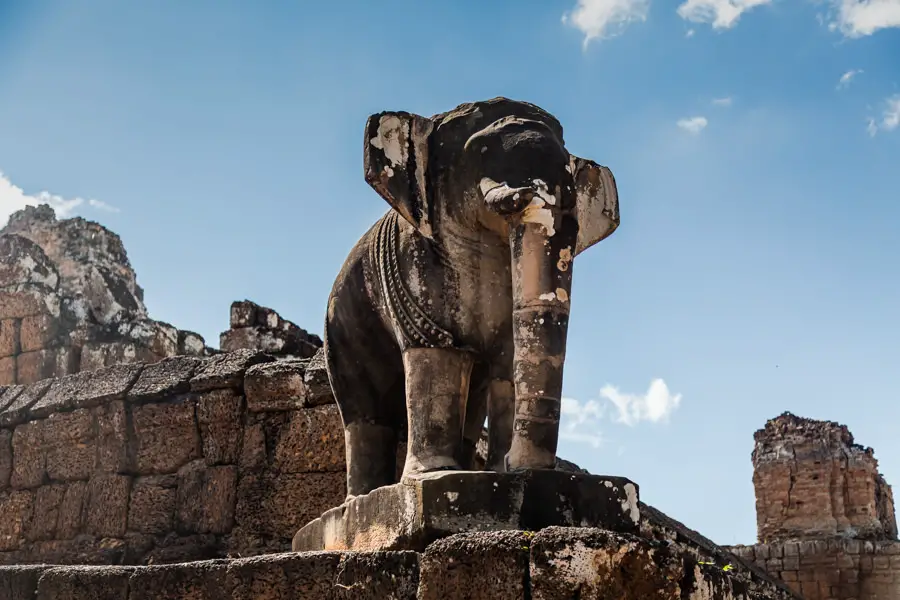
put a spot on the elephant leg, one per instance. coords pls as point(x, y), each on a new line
point(501, 414)
point(437, 384)
point(475, 415)
point(367, 383)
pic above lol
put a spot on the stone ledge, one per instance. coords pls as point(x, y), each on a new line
point(419, 510)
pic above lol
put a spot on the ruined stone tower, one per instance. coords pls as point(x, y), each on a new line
point(825, 516)
point(813, 481)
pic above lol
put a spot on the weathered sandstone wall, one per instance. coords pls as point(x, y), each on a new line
point(553, 564)
point(825, 515)
point(183, 459)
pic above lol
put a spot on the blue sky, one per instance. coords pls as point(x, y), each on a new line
point(755, 270)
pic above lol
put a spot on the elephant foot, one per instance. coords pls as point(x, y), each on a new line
point(415, 467)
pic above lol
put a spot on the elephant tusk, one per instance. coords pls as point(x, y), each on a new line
point(504, 199)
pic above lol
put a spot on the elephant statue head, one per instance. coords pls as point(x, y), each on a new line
point(472, 287)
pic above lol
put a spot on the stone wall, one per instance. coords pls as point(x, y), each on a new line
point(826, 569)
point(183, 459)
point(825, 515)
point(69, 302)
point(553, 564)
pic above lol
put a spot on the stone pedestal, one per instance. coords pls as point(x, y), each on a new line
point(419, 510)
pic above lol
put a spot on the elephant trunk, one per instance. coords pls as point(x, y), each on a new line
point(542, 244)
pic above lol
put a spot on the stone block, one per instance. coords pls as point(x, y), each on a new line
point(72, 510)
point(6, 458)
point(592, 563)
point(40, 364)
point(253, 447)
point(87, 389)
point(9, 394)
point(107, 507)
point(19, 410)
point(219, 413)
point(29, 458)
point(112, 438)
point(47, 502)
point(27, 301)
point(84, 583)
point(167, 436)
point(312, 440)
point(70, 445)
point(9, 338)
point(16, 509)
point(206, 498)
point(191, 581)
point(38, 332)
point(495, 563)
point(226, 370)
point(275, 386)
point(8, 371)
point(316, 380)
point(168, 377)
point(243, 314)
point(152, 507)
point(276, 576)
point(412, 514)
point(191, 344)
point(19, 582)
point(272, 505)
point(22, 261)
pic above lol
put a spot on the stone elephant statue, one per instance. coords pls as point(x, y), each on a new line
point(453, 308)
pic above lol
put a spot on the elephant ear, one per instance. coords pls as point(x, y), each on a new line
point(396, 162)
point(597, 202)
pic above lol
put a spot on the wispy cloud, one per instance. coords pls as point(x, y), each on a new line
point(654, 406)
point(13, 198)
point(859, 18)
point(726, 101)
point(693, 125)
point(847, 78)
point(581, 421)
point(890, 117)
point(721, 14)
point(598, 19)
point(690, 33)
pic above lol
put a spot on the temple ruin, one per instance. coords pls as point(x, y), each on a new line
point(137, 462)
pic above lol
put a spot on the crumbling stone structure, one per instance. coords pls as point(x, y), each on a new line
point(70, 302)
point(255, 327)
point(825, 515)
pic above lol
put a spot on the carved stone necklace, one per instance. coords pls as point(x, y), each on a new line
point(414, 324)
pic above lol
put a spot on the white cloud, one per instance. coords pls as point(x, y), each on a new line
point(859, 18)
point(655, 406)
point(690, 33)
point(13, 198)
point(693, 125)
point(581, 421)
point(721, 14)
point(726, 101)
point(598, 19)
point(847, 77)
point(890, 118)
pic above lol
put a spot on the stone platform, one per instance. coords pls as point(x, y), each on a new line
point(419, 510)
